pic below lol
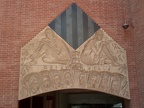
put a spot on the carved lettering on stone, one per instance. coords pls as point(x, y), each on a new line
point(48, 63)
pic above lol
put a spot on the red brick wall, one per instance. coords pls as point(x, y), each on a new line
point(21, 20)
point(137, 7)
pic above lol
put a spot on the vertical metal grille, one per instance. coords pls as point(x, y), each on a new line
point(74, 26)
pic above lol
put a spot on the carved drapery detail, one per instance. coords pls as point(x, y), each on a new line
point(48, 63)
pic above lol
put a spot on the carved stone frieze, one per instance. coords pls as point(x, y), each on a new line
point(48, 63)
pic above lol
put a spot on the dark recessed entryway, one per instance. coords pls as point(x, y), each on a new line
point(72, 99)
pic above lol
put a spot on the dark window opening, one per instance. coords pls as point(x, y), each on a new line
point(74, 26)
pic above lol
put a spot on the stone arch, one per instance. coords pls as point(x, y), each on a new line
point(48, 63)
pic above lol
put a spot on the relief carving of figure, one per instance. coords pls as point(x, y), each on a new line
point(115, 83)
point(46, 81)
point(57, 81)
point(24, 91)
point(82, 80)
point(34, 84)
point(75, 63)
point(124, 88)
point(94, 79)
point(92, 82)
point(51, 49)
point(68, 79)
point(31, 84)
point(104, 83)
point(97, 51)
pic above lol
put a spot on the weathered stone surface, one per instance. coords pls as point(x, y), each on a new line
point(48, 63)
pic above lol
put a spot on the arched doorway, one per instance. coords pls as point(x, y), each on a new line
point(75, 98)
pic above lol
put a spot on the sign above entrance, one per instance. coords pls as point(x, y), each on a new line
point(48, 63)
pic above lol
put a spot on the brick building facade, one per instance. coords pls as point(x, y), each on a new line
point(21, 20)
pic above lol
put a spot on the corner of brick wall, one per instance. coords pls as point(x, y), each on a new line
point(137, 9)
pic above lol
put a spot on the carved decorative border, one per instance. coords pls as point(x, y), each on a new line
point(48, 63)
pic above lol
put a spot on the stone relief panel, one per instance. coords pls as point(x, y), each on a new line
point(48, 63)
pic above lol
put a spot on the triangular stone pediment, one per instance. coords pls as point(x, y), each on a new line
point(48, 63)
